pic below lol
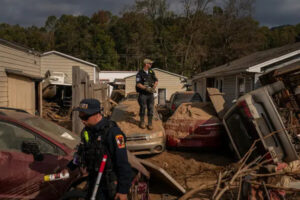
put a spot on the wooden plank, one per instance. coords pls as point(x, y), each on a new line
point(218, 101)
point(75, 98)
point(40, 99)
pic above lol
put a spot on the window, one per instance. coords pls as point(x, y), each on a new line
point(241, 86)
point(12, 137)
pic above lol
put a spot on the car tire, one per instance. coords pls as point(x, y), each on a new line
point(74, 195)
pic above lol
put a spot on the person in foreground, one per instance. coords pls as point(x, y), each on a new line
point(102, 136)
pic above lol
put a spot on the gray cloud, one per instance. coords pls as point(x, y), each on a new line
point(277, 12)
point(35, 12)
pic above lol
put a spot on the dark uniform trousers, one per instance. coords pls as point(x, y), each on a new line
point(146, 101)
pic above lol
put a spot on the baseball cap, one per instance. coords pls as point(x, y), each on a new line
point(148, 61)
point(88, 106)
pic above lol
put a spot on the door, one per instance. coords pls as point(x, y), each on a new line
point(162, 96)
point(20, 175)
point(21, 93)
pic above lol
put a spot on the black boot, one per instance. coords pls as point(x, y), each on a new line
point(142, 122)
point(150, 127)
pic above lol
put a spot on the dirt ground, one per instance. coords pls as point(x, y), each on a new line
point(190, 169)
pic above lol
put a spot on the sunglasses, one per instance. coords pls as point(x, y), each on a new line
point(85, 117)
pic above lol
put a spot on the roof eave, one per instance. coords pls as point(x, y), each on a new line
point(68, 56)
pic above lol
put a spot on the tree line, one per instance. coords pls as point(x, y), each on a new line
point(197, 37)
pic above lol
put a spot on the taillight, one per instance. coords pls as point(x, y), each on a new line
point(205, 129)
point(173, 107)
point(243, 105)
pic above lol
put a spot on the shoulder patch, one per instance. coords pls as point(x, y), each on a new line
point(120, 141)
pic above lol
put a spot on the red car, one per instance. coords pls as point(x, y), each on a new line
point(30, 148)
point(194, 124)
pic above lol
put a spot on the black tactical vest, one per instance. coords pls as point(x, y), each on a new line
point(95, 145)
point(147, 80)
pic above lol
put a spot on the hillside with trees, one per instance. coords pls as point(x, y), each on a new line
point(198, 37)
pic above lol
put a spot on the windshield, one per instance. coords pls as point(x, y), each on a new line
point(187, 97)
point(54, 131)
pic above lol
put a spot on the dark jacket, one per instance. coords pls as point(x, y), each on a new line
point(105, 138)
point(145, 79)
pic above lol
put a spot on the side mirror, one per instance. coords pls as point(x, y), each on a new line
point(32, 147)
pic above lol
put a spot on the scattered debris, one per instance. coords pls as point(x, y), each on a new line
point(58, 114)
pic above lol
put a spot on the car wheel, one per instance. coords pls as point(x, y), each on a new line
point(74, 195)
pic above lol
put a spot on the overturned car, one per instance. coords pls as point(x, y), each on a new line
point(268, 114)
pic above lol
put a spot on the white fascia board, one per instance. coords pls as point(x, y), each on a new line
point(257, 68)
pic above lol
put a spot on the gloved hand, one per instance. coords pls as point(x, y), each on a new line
point(150, 90)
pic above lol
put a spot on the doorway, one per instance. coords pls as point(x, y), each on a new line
point(162, 96)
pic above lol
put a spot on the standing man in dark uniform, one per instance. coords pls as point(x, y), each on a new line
point(102, 136)
point(146, 83)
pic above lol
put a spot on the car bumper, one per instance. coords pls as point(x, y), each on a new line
point(149, 146)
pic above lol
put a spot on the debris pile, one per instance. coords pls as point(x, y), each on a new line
point(54, 112)
point(253, 178)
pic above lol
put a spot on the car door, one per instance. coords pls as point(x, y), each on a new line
point(20, 175)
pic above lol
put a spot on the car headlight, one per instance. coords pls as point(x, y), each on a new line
point(156, 135)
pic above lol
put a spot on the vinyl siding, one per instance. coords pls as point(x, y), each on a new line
point(3, 88)
point(249, 83)
point(229, 88)
point(201, 87)
point(15, 59)
point(170, 82)
point(59, 63)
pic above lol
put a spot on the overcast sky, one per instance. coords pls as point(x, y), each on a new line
point(35, 12)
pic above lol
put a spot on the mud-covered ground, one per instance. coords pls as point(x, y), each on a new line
point(189, 168)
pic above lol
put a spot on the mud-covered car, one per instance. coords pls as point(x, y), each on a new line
point(178, 98)
point(194, 125)
point(139, 141)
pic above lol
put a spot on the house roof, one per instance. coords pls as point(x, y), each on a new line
point(254, 62)
point(69, 57)
point(19, 47)
point(161, 70)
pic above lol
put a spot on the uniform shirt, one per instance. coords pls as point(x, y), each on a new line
point(117, 147)
point(146, 79)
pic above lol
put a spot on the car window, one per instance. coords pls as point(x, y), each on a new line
point(183, 98)
point(197, 98)
point(241, 131)
point(12, 137)
point(54, 131)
